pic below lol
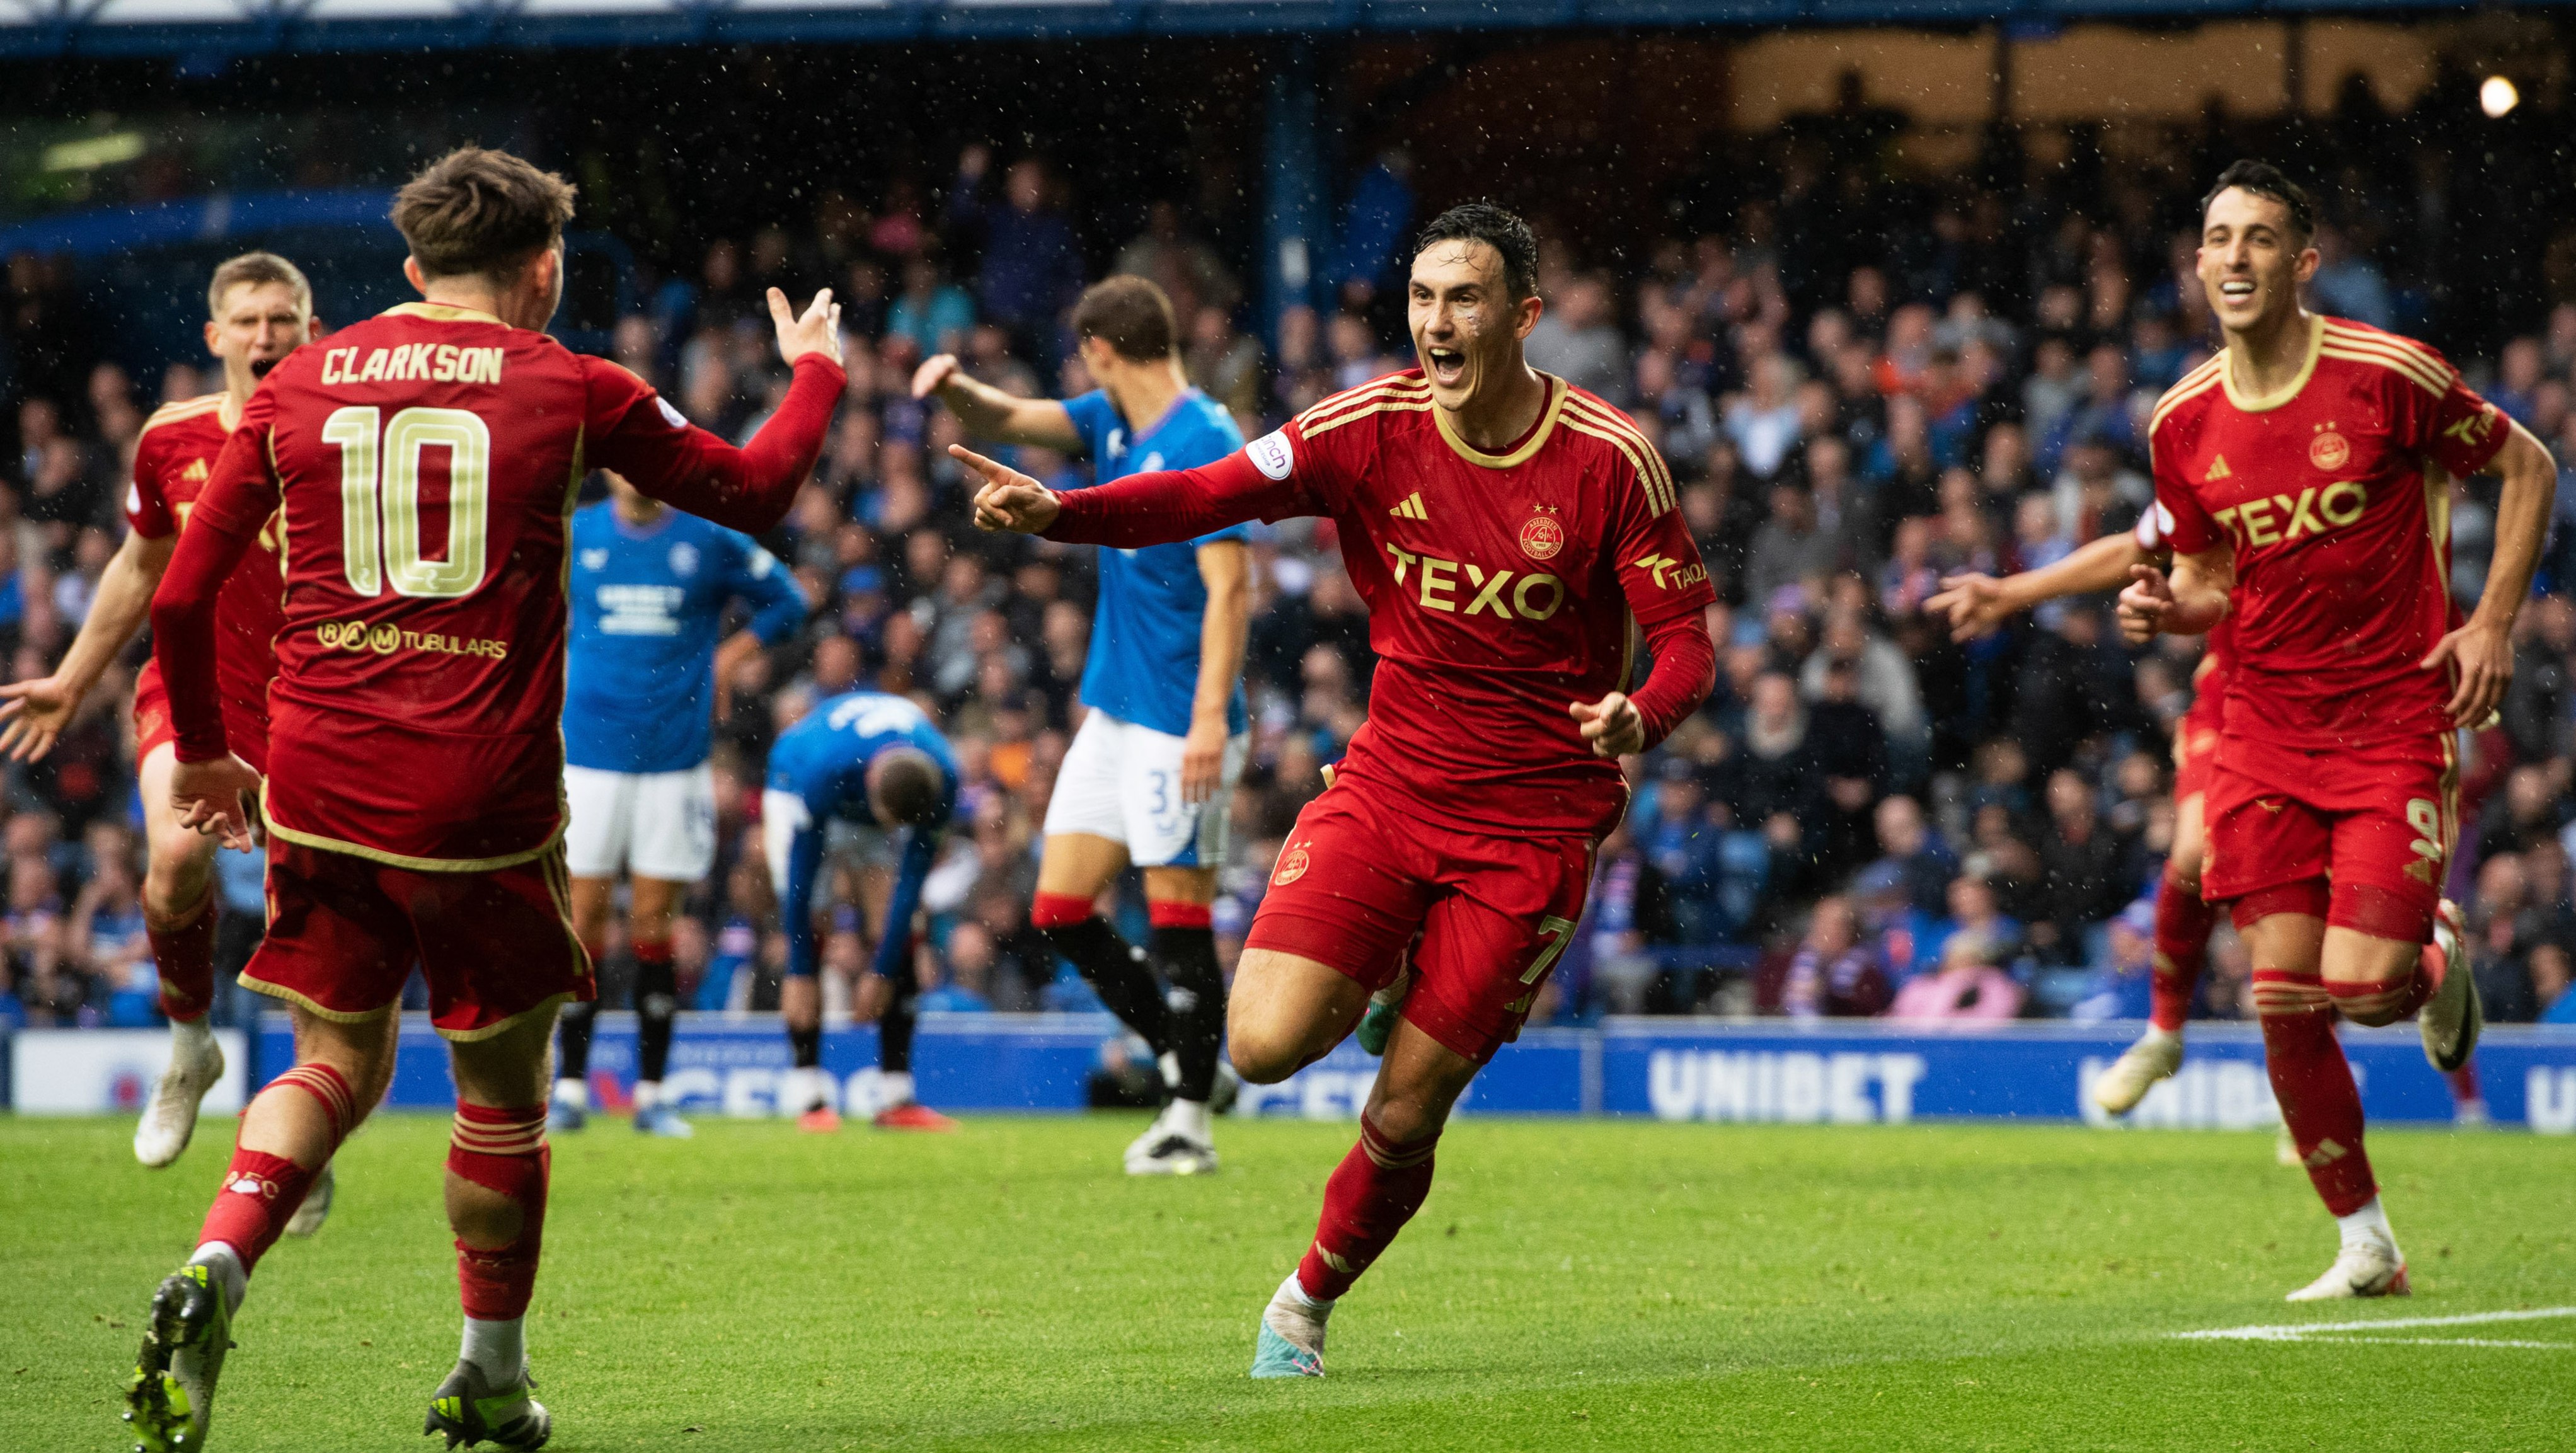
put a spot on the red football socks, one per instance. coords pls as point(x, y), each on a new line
point(2314, 1086)
point(261, 1191)
point(503, 1151)
point(1374, 1191)
point(2183, 921)
point(185, 958)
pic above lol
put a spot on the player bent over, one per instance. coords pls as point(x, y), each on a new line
point(2300, 476)
point(1503, 527)
point(649, 589)
point(259, 309)
point(1975, 605)
point(423, 461)
point(859, 768)
point(1152, 770)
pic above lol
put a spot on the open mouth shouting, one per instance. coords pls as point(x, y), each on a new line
point(1447, 366)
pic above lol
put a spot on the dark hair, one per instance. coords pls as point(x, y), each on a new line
point(479, 211)
point(1129, 314)
point(905, 787)
point(1500, 230)
point(2266, 180)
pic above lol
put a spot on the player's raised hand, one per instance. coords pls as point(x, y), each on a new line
point(213, 798)
point(817, 331)
point(2482, 656)
point(2144, 605)
point(934, 374)
point(1973, 602)
point(1613, 725)
point(36, 711)
point(1008, 499)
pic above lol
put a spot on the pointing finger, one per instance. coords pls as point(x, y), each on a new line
point(779, 312)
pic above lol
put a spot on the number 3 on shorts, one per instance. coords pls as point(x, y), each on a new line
point(1559, 932)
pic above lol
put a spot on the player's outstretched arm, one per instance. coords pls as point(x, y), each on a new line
point(2481, 652)
point(989, 413)
point(1976, 604)
point(37, 710)
point(748, 489)
point(1159, 508)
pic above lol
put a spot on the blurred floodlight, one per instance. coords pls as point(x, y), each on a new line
point(2497, 96)
point(93, 152)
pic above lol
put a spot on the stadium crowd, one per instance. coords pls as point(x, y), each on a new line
point(1866, 818)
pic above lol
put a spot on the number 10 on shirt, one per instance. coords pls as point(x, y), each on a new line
point(380, 481)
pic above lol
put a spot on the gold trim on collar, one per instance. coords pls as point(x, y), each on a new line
point(1556, 392)
point(2316, 347)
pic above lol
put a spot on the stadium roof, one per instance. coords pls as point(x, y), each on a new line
point(211, 29)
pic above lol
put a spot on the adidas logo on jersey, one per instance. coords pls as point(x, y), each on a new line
point(196, 472)
point(1411, 508)
point(2218, 469)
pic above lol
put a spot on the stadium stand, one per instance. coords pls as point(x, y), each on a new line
point(1865, 376)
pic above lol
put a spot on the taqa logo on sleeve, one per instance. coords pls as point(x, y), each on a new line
point(1272, 455)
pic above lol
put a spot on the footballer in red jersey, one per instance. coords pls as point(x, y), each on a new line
point(2301, 478)
point(1509, 533)
point(426, 462)
point(259, 309)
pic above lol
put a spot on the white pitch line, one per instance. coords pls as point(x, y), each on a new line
point(2453, 1342)
point(2295, 1331)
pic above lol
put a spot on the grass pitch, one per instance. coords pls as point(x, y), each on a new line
point(1568, 1286)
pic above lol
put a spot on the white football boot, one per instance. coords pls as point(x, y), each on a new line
point(1178, 1143)
point(196, 1064)
point(2368, 1267)
point(2156, 1055)
point(2451, 1019)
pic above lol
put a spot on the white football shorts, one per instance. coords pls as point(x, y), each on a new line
point(1122, 781)
point(653, 824)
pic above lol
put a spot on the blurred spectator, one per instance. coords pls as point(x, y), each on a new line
point(1967, 987)
point(1831, 974)
point(2120, 984)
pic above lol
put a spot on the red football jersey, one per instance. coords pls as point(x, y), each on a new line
point(427, 461)
point(1501, 587)
point(2333, 494)
point(173, 460)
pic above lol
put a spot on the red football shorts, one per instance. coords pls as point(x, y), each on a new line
point(245, 731)
point(2377, 823)
point(344, 932)
point(1361, 875)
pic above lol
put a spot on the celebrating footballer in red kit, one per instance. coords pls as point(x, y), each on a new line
point(2301, 479)
point(259, 309)
point(1505, 529)
point(425, 461)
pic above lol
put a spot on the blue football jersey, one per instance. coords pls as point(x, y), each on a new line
point(647, 606)
point(823, 761)
point(1144, 661)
